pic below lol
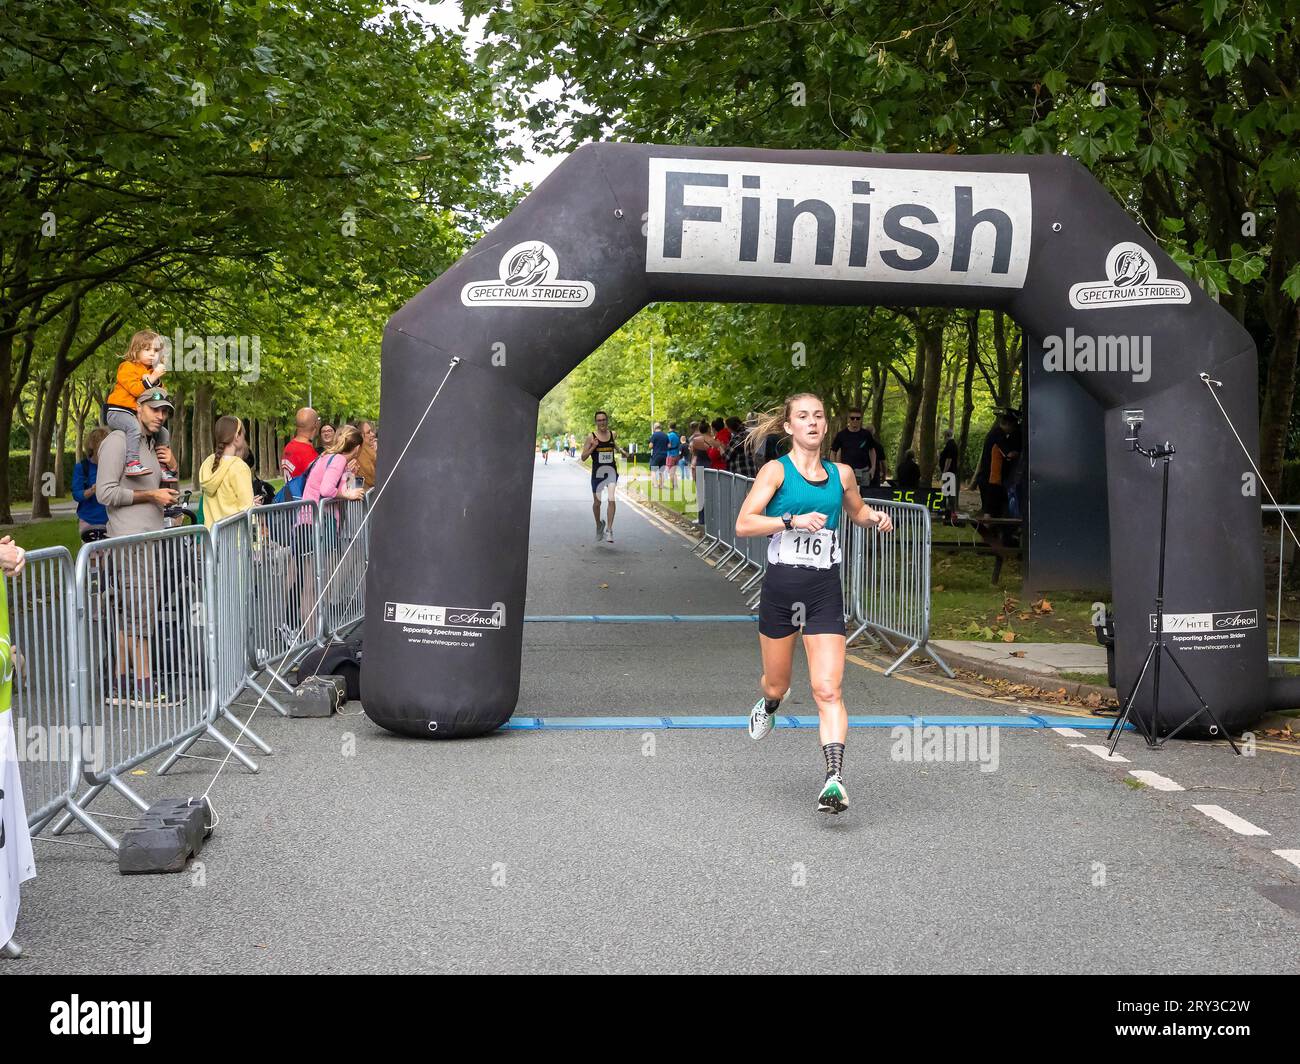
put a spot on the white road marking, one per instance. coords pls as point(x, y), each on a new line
point(664, 526)
point(1230, 820)
point(1101, 752)
point(1155, 781)
point(1289, 855)
point(1070, 733)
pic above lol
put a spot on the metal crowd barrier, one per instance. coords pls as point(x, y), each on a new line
point(45, 710)
point(705, 493)
point(344, 551)
point(146, 657)
point(141, 646)
point(721, 494)
point(284, 578)
point(887, 580)
point(1291, 514)
point(231, 539)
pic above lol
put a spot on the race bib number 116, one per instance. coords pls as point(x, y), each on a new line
point(818, 550)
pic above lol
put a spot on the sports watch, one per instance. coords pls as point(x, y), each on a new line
point(789, 522)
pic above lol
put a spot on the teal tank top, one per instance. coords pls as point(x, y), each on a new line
point(797, 496)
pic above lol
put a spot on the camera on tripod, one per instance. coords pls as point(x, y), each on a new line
point(1133, 419)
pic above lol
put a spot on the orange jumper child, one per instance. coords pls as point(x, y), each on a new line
point(140, 370)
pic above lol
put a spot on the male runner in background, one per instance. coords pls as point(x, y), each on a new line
point(601, 447)
point(659, 441)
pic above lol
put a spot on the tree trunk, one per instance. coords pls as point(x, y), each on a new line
point(178, 426)
point(65, 365)
point(202, 428)
point(879, 382)
point(81, 411)
point(968, 402)
point(952, 392)
point(1284, 322)
point(1003, 398)
point(33, 427)
point(61, 437)
point(6, 426)
point(11, 390)
point(914, 391)
point(45, 418)
point(929, 330)
point(269, 452)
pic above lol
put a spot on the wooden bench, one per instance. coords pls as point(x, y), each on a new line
point(992, 532)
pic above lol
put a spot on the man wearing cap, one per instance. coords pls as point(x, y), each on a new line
point(135, 506)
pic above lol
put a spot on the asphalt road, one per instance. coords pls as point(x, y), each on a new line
point(649, 848)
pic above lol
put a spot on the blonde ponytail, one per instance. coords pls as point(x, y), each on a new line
point(773, 422)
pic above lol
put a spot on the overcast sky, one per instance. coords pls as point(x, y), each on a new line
point(447, 14)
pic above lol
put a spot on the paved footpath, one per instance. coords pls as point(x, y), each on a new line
point(691, 849)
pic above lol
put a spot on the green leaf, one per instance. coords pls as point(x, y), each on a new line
point(1212, 12)
point(1246, 266)
point(1291, 285)
point(1110, 42)
point(1219, 57)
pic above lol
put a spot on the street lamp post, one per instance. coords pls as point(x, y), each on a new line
point(652, 385)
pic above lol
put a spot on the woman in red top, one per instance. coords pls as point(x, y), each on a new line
point(718, 444)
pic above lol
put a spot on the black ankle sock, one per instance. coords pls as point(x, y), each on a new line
point(834, 758)
point(771, 704)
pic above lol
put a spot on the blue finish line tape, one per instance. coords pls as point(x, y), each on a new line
point(641, 618)
point(657, 723)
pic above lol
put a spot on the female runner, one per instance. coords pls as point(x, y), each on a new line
point(796, 501)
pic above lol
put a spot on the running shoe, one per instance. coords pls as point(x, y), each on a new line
point(834, 798)
point(146, 693)
point(760, 720)
point(609, 535)
point(117, 691)
point(600, 529)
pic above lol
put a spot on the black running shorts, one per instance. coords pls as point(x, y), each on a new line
point(792, 594)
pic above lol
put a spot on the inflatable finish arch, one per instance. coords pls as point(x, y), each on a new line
point(618, 226)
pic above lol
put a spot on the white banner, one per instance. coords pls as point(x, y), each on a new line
point(842, 223)
point(17, 864)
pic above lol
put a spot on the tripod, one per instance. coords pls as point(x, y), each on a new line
point(1157, 649)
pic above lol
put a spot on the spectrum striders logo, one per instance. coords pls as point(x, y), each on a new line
point(528, 279)
point(1133, 282)
point(442, 616)
point(842, 223)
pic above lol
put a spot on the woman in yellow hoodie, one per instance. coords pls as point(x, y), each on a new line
point(224, 478)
